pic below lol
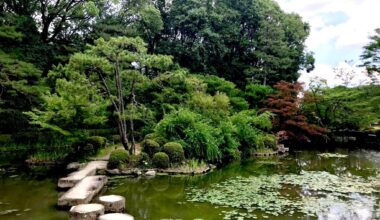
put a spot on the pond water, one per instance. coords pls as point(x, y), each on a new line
point(303, 185)
point(29, 196)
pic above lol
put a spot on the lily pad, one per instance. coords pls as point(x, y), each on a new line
point(332, 155)
point(309, 192)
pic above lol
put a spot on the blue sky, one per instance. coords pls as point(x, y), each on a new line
point(339, 30)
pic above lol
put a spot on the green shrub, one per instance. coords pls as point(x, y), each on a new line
point(239, 103)
point(255, 94)
point(97, 141)
point(144, 159)
point(160, 140)
point(149, 136)
point(197, 136)
point(161, 160)
point(174, 151)
point(133, 160)
point(117, 158)
point(150, 146)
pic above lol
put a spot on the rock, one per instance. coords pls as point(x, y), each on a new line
point(150, 173)
point(89, 170)
point(137, 172)
point(116, 216)
point(113, 203)
point(86, 212)
point(114, 172)
point(128, 172)
point(83, 192)
point(73, 166)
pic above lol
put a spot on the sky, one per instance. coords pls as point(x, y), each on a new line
point(339, 30)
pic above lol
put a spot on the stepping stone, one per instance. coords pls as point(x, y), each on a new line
point(150, 173)
point(83, 192)
point(113, 203)
point(116, 216)
point(74, 166)
point(86, 212)
point(89, 170)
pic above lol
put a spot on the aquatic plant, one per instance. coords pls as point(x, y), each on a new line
point(310, 192)
point(332, 155)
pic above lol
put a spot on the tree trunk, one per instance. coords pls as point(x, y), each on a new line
point(132, 126)
point(121, 116)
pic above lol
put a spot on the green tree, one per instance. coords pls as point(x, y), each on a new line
point(73, 105)
point(371, 56)
point(20, 88)
point(113, 68)
point(244, 41)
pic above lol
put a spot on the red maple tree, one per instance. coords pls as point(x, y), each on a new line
point(289, 121)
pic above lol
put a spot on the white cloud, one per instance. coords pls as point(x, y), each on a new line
point(334, 42)
point(328, 73)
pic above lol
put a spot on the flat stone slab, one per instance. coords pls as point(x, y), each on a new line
point(89, 170)
point(86, 212)
point(83, 192)
point(116, 216)
point(113, 203)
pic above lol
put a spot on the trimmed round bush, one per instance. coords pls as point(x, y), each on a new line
point(161, 160)
point(150, 147)
point(175, 152)
point(149, 136)
point(118, 157)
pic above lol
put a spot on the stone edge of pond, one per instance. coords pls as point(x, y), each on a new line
point(136, 172)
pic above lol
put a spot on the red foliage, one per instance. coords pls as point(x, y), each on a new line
point(290, 121)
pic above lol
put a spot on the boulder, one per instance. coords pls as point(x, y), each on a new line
point(86, 212)
point(116, 216)
point(113, 203)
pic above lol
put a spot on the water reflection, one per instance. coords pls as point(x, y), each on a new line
point(164, 197)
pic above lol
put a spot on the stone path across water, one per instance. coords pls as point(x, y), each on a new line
point(83, 192)
point(89, 170)
point(84, 185)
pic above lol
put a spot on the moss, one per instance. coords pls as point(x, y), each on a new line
point(174, 151)
point(150, 147)
point(117, 158)
point(161, 160)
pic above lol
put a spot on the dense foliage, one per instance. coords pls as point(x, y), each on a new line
point(344, 108)
point(290, 122)
point(192, 72)
point(371, 57)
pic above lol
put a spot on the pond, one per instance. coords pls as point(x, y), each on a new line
point(303, 185)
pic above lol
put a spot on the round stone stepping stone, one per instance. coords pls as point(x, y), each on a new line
point(113, 203)
point(86, 212)
point(116, 216)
